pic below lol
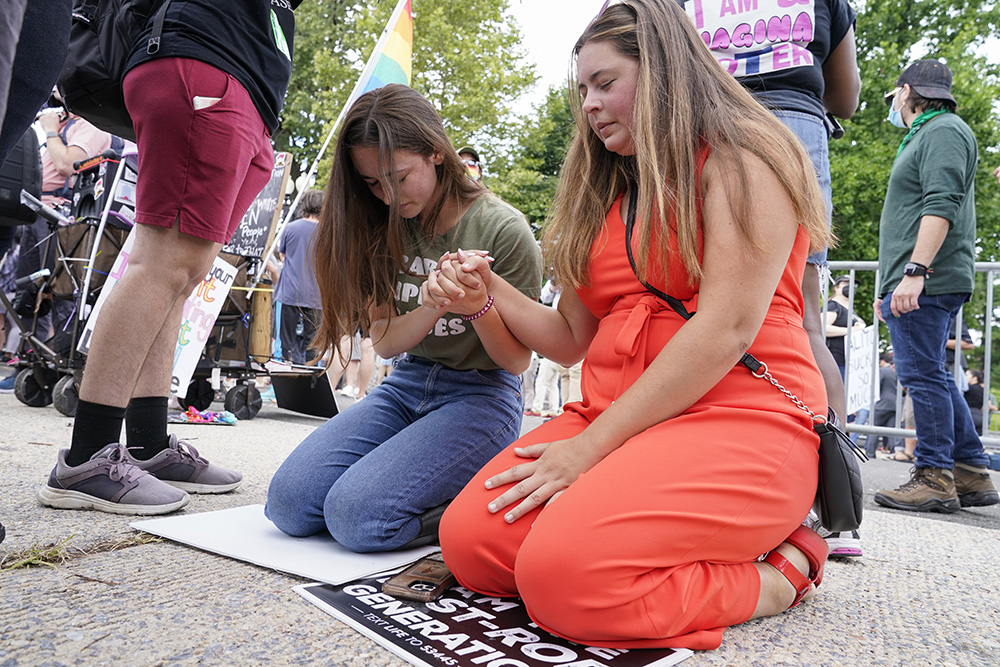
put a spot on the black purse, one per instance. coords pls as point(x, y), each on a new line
point(839, 492)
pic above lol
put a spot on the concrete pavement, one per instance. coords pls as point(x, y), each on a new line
point(926, 592)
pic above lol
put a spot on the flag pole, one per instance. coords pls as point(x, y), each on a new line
point(362, 80)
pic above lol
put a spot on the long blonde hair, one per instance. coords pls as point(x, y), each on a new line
point(360, 241)
point(684, 101)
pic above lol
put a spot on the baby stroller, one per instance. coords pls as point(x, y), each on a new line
point(81, 249)
point(239, 347)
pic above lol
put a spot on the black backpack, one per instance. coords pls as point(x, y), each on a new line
point(102, 37)
point(22, 170)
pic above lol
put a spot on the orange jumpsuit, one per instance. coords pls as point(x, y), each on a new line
point(655, 545)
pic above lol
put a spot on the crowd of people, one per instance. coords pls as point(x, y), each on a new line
point(690, 226)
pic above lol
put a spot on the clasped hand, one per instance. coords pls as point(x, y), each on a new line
point(462, 291)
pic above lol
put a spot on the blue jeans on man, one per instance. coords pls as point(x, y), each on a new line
point(945, 432)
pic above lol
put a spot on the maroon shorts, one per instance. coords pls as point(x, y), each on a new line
point(204, 166)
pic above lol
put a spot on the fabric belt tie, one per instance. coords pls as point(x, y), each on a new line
point(632, 338)
point(631, 334)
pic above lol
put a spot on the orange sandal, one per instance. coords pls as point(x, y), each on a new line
point(816, 551)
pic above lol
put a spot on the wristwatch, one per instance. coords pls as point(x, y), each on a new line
point(915, 269)
point(49, 135)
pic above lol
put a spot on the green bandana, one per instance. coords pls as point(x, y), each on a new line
point(917, 122)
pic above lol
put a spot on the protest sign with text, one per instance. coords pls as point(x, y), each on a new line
point(201, 309)
point(466, 629)
point(862, 371)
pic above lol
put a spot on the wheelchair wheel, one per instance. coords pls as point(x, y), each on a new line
point(199, 395)
point(29, 391)
point(243, 401)
point(65, 395)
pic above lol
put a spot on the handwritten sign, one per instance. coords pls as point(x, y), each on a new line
point(200, 312)
point(201, 309)
point(862, 375)
point(256, 230)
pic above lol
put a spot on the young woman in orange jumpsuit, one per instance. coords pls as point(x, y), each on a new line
point(638, 518)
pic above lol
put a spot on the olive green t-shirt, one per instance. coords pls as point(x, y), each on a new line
point(933, 175)
point(491, 225)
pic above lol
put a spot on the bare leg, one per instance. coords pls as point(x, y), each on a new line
point(351, 374)
point(776, 592)
point(366, 367)
point(812, 320)
point(157, 369)
point(335, 364)
point(133, 341)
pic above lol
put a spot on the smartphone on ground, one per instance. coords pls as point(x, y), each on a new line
point(424, 581)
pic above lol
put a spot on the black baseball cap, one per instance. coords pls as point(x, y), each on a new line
point(844, 278)
point(929, 78)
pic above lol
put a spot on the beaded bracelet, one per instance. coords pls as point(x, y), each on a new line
point(489, 304)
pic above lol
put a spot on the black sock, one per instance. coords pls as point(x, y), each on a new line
point(95, 426)
point(146, 426)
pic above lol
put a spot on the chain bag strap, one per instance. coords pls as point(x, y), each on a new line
point(839, 490)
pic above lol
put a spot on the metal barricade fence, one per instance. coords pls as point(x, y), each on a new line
point(990, 438)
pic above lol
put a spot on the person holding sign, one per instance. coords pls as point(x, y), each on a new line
point(378, 475)
point(637, 518)
point(204, 107)
point(838, 315)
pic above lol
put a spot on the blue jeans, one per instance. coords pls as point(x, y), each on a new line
point(945, 432)
point(412, 444)
point(860, 419)
point(812, 133)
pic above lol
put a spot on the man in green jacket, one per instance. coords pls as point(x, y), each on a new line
point(927, 241)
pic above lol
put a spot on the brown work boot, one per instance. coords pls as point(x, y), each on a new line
point(929, 490)
point(974, 486)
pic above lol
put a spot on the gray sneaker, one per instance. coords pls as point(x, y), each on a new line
point(179, 465)
point(109, 482)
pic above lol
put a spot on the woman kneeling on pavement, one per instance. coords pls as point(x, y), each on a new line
point(379, 475)
point(637, 518)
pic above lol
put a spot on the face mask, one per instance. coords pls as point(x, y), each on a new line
point(896, 115)
point(846, 291)
point(896, 118)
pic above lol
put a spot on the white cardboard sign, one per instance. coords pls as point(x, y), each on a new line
point(201, 309)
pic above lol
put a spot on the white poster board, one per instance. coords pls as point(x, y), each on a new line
point(201, 309)
point(862, 375)
point(245, 534)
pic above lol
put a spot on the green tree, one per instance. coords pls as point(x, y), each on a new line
point(467, 60)
point(316, 78)
point(890, 35)
point(528, 180)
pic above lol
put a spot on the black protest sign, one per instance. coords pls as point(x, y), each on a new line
point(256, 230)
point(466, 629)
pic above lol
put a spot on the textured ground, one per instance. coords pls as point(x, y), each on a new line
point(926, 592)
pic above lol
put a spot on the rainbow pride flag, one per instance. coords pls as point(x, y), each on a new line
point(392, 59)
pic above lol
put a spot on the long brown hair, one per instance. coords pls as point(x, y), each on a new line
point(684, 101)
point(360, 240)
